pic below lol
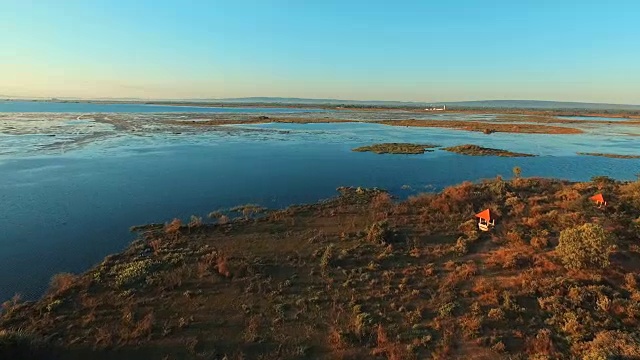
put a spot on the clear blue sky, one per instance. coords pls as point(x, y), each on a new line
point(383, 50)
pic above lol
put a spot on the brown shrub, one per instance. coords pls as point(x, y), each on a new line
point(336, 340)
point(460, 274)
point(381, 202)
point(144, 327)
point(222, 267)
point(392, 350)
point(517, 209)
point(466, 270)
point(542, 344)
point(471, 325)
point(459, 193)
point(378, 232)
point(487, 290)
point(509, 258)
point(612, 345)
point(631, 193)
point(533, 222)
point(455, 198)
point(173, 228)
point(514, 237)
point(416, 201)
point(155, 245)
point(537, 210)
point(194, 222)
point(62, 282)
point(213, 260)
point(202, 269)
point(223, 219)
point(539, 242)
point(631, 281)
point(470, 229)
point(568, 195)
point(89, 302)
point(173, 279)
point(543, 265)
point(252, 330)
point(9, 305)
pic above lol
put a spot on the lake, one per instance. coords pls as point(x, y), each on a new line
point(68, 200)
point(84, 107)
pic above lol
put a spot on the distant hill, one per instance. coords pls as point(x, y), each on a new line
point(539, 104)
point(280, 100)
point(495, 104)
point(517, 104)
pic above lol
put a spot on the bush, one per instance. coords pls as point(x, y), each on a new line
point(194, 222)
point(585, 246)
point(127, 274)
point(62, 282)
point(612, 345)
point(379, 233)
point(173, 227)
point(517, 172)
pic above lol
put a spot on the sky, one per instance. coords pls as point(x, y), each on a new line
point(450, 50)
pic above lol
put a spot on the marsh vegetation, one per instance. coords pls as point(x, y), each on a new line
point(397, 148)
point(475, 150)
point(614, 156)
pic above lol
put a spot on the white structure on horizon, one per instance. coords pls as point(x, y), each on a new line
point(433, 108)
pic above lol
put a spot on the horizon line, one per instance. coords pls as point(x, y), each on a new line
point(203, 99)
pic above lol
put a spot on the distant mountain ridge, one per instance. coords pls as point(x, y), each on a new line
point(495, 104)
point(516, 104)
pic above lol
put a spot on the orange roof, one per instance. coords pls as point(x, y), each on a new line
point(597, 198)
point(486, 215)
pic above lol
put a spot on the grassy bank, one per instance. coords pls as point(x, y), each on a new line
point(361, 276)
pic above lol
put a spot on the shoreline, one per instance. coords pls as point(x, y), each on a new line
point(570, 112)
point(347, 269)
point(486, 127)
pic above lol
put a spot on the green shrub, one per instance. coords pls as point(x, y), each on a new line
point(585, 246)
point(130, 273)
point(447, 309)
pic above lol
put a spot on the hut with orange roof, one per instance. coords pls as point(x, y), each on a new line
point(599, 200)
point(485, 222)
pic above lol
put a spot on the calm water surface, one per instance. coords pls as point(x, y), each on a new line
point(80, 107)
point(65, 211)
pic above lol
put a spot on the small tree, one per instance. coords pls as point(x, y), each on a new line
point(585, 246)
point(517, 171)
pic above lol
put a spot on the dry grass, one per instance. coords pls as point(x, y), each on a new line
point(361, 276)
point(62, 282)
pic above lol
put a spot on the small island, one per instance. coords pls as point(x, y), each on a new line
point(397, 148)
point(475, 150)
point(614, 156)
